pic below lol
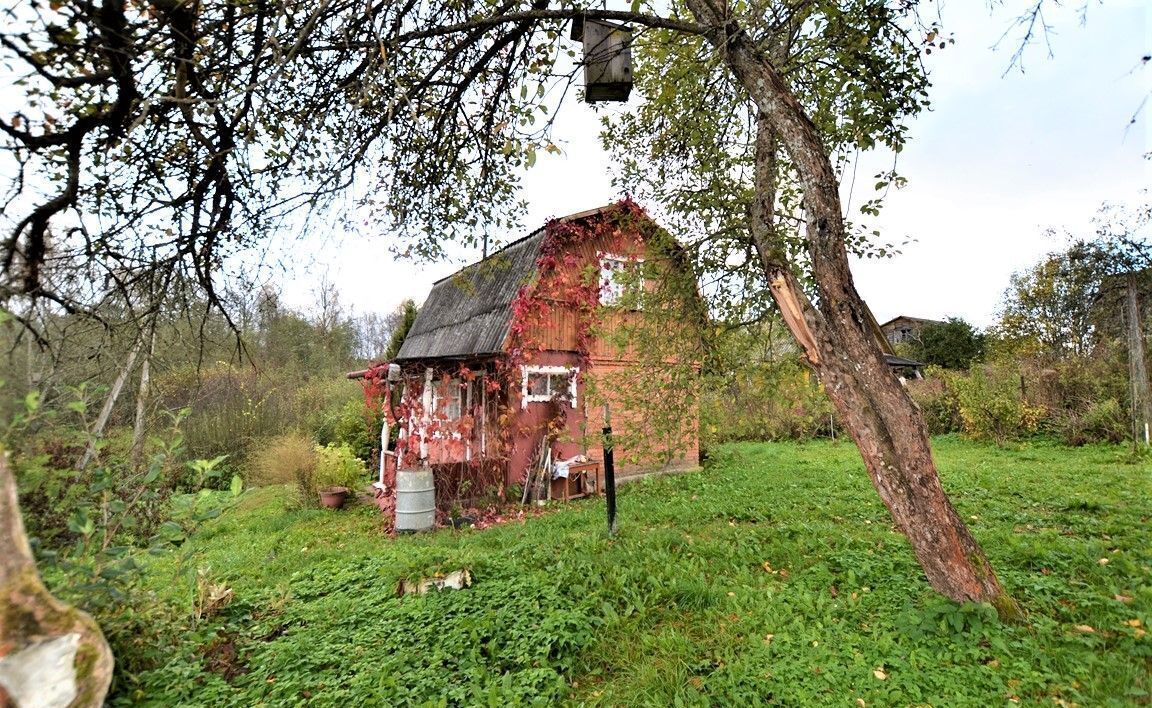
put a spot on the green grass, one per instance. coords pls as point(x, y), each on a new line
point(683, 607)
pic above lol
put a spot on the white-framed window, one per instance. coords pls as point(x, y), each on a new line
point(448, 398)
point(548, 383)
point(618, 275)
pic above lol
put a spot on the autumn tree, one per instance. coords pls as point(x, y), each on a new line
point(168, 136)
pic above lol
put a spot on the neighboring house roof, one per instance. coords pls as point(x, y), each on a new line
point(906, 318)
point(893, 360)
point(469, 312)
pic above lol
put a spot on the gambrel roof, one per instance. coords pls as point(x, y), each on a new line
point(468, 313)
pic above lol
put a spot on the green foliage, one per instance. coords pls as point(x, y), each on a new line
point(992, 406)
point(354, 425)
point(1048, 308)
point(408, 312)
point(756, 388)
point(338, 466)
point(954, 344)
point(767, 401)
point(1077, 400)
point(774, 576)
point(234, 408)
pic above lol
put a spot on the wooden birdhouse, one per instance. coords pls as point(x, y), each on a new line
point(607, 59)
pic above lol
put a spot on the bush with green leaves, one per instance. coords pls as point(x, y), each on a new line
point(352, 424)
point(338, 466)
point(770, 400)
point(992, 405)
point(234, 408)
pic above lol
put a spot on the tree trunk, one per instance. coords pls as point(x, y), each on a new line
point(97, 430)
point(137, 453)
point(1137, 369)
point(837, 336)
point(51, 655)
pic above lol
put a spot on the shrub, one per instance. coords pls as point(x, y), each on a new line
point(352, 424)
point(337, 466)
point(992, 406)
point(766, 401)
point(286, 459)
point(235, 407)
point(936, 396)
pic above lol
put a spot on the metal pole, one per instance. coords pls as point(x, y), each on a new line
point(609, 473)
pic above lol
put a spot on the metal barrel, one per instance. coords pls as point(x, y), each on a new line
point(415, 500)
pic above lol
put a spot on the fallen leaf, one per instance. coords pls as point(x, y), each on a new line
point(879, 673)
point(1122, 598)
point(860, 702)
point(1103, 561)
point(1133, 623)
point(1138, 632)
point(784, 574)
point(1085, 628)
point(768, 638)
point(993, 664)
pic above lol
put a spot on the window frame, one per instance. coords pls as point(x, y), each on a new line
point(613, 291)
point(455, 388)
point(571, 372)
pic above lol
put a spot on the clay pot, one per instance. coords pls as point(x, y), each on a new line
point(333, 497)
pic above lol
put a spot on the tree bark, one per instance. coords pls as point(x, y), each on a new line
point(836, 334)
point(137, 451)
point(1137, 369)
point(51, 655)
point(97, 430)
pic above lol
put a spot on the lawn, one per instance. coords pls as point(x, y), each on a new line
point(773, 577)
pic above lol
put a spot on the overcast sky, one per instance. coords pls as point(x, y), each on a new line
point(999, 160)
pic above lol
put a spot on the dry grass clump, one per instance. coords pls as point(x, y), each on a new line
point(286, 459)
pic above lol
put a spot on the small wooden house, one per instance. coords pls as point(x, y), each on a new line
point(905, 329)
point(520, 354)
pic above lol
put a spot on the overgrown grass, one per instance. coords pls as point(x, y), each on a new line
point(773, 577)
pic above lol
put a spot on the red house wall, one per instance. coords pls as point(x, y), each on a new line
point(565, 297)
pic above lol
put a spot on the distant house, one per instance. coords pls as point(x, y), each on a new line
point(905, 329)
point(523, 350)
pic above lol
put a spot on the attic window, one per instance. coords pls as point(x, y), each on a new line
point(619, 276)
point(548, 383)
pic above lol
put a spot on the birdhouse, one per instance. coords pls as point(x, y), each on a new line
point(607, 59)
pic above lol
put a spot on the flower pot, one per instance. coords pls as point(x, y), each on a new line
point(333, 497)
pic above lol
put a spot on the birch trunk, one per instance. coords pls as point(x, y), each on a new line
point(51, 655)
point(137, 452)
point(97, 430)
point(837, 336)
point(1137, 369)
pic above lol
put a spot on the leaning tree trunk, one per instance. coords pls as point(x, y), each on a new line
point(837, 336)
point(51, 655)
